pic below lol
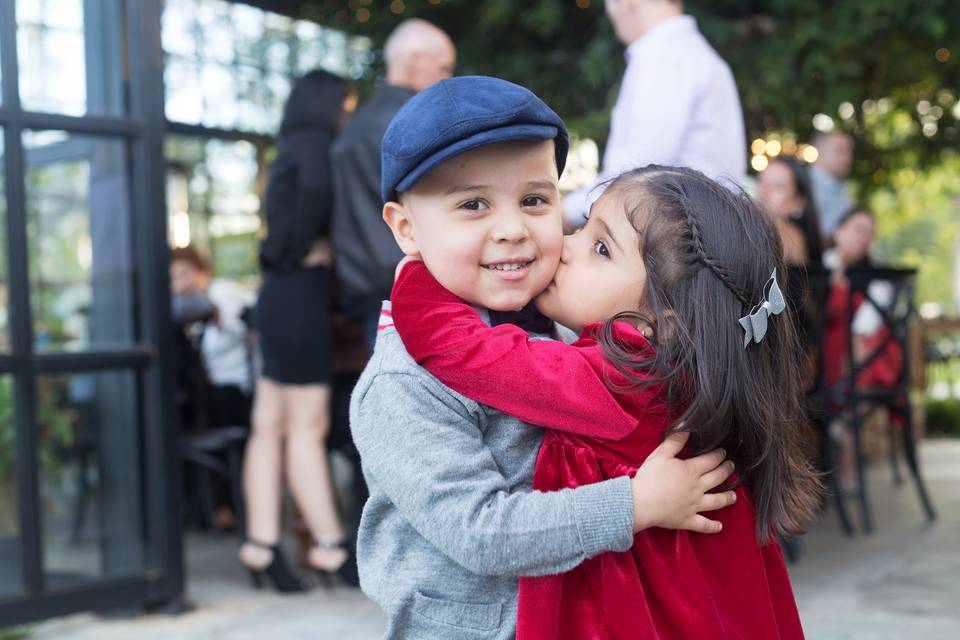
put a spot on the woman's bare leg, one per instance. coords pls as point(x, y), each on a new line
point(262, 473)
point(308, 469)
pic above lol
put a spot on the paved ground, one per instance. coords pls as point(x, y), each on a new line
point(902, 582)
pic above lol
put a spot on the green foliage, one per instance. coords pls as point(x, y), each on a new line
point(943, 417)
point(8, 436)
point(15, 633)
point(55, 427)
point(55, 421)
point(918, 224)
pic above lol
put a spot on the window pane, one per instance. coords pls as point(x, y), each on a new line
point(4, 286)
point(212, 202)
point(89, 474)
point(229, 65)
point(70, 56)
point(79, 240)
point(10, 557)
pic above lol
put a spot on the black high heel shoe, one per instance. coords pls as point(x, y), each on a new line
point(279, 574)
point(346, 571)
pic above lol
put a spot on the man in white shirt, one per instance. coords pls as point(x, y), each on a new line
point(678, 103)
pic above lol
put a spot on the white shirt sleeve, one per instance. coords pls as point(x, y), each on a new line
point(652, 114)
point(867, 320)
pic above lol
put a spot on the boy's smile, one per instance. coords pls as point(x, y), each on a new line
point(487, 223)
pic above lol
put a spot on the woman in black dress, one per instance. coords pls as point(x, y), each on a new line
point(291, 412)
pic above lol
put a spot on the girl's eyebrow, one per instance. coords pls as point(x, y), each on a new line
point(612, 237)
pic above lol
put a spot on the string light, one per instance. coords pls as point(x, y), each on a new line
point(758, 146)
point(397, 6)
point(583, 4)
point(773, 148)
point(363, 15)
point(759, 163)
point(810, 154)
point(942, 55)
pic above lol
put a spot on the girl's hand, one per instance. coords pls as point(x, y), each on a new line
point(670, 492)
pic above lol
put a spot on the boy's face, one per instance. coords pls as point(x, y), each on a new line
point(487, 223)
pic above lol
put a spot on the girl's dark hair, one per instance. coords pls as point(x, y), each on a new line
point(708, 253)
point(809, 220)
point(316, 100)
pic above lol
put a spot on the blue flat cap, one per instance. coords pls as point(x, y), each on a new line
point(457, 115)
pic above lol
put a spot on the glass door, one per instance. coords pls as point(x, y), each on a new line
point(88, 508)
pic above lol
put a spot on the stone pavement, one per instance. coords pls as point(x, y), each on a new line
point(903, 582)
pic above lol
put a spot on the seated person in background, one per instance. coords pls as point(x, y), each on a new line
point(196, 295)
point(852, 241)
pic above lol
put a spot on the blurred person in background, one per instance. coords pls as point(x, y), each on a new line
point(827, 176)
point(852, 241)
point(417, 55)
point(291, 413)
point(196, 295)
point(784, 192)
point(678, 103)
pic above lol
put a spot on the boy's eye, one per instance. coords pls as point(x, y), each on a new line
point(473, 205)
point(601, 248)
point(533, 201)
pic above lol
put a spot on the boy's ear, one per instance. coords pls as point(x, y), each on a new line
point(398, 219)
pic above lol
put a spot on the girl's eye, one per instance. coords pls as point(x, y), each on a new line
point(473, 205)
point(533, 201)
point(601, 248)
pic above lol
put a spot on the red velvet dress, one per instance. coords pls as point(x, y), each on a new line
point(670, 584)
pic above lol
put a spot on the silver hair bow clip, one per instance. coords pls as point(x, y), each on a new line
point(755, 323)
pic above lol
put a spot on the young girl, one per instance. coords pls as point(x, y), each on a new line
point(661, 283)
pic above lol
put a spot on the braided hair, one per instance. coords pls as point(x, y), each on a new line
point(703, 257)
point(708, 252)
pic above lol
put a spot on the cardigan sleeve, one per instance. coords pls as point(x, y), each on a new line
point(543, 382)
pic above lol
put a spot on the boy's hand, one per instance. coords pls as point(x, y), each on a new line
point(670, 492)
point(403, 261)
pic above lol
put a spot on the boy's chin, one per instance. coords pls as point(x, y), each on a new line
point(503, 304)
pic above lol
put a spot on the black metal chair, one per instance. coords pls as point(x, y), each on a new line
point(807, 291)
point(209, 451)
point(855, 401)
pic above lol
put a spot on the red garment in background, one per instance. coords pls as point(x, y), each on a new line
point(883, 371)
point(670, 584)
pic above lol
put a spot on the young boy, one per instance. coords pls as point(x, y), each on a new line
point(470, 171)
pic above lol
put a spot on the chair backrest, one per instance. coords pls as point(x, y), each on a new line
point(880, 306)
